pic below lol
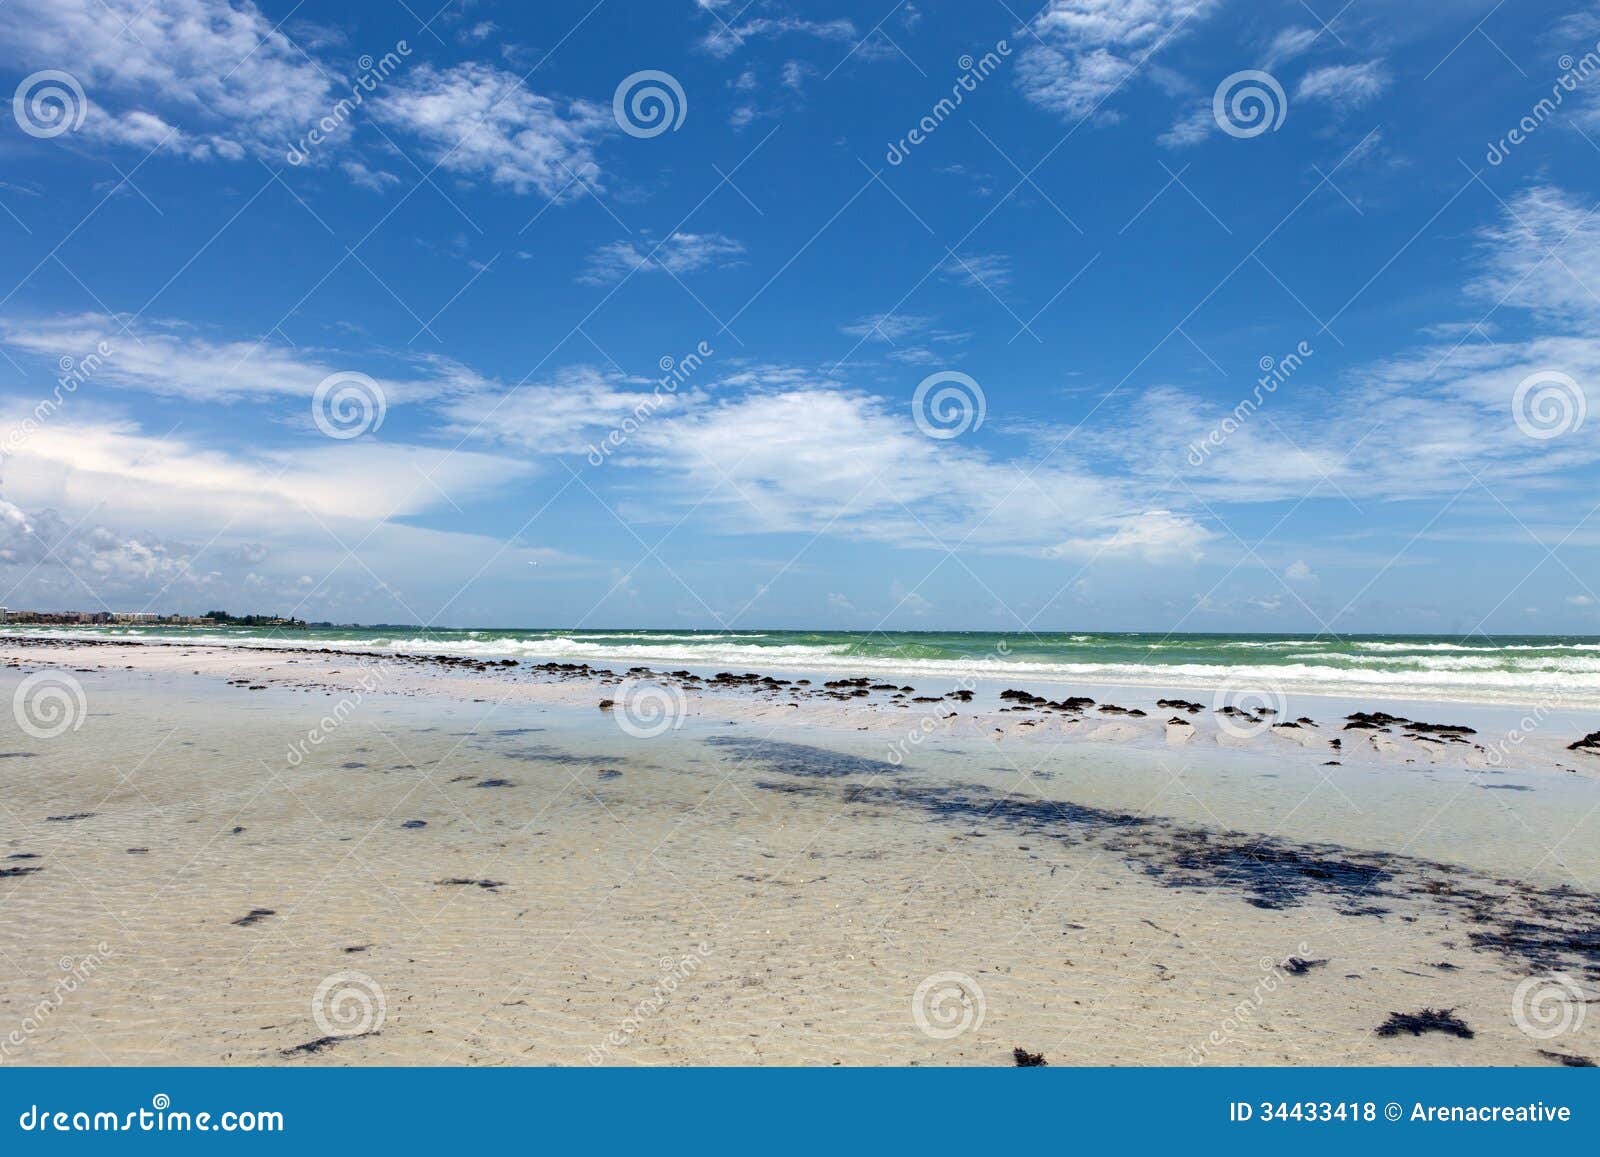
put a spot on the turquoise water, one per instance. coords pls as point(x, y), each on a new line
point(1562, 669)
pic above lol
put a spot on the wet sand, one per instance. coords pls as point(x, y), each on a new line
point(477, 865)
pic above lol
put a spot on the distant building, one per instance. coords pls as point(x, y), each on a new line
point(135, 616)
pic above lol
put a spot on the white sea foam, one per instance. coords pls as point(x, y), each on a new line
point(1448, 671)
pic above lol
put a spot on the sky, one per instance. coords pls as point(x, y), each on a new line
point(1174, 315)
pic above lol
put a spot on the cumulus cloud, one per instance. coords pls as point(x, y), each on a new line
point(220, 74)
point(210, 80)
point(825, 459)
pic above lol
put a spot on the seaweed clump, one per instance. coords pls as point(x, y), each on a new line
point(1442, 1020)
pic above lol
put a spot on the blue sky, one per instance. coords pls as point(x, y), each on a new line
point(1097, 245)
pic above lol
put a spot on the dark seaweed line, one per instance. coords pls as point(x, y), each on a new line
point(1544, 927)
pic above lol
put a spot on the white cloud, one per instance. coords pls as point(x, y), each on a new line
point(152, 511)
point(1299, 571)
point(679, 254)
point(725, 39)
point(176, 485)
point(888, 327)
point(1152, 535)
point(1344, 86)
point(1288, 44)
point(1425, 423)
point(176, 362)
point(822, 459)
point(481, 121)
point(219, 72)
point(565, 415)
point(1543, 256)
point(991, 270)
point(363, 177)
point(1077, 52)
point(1189, 129)
point(1581, 600)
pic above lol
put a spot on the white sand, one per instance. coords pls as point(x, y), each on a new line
point(711, 904)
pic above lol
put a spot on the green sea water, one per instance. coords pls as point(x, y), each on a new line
point(1492, 668)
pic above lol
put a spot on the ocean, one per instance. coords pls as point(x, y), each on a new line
point(1562, 670)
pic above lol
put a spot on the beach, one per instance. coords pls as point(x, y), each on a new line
point(298, 851)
